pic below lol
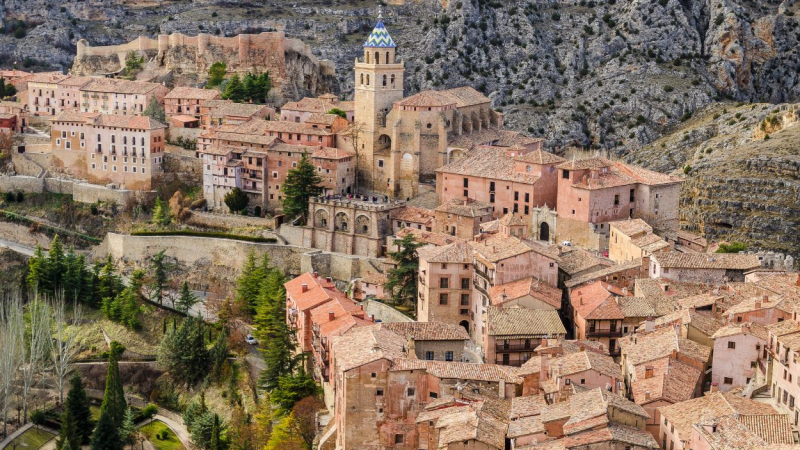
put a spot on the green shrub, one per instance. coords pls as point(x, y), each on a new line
point(38, 417)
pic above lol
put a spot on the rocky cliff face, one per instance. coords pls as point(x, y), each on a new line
point(609, 73)
point(742, 173)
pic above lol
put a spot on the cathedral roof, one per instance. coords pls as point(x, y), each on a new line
point(380, 37)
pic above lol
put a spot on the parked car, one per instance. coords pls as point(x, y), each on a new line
point(251, 340)
point(566, 244)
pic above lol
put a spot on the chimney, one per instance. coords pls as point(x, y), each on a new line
point(675, 355)
point(648, 372)
point(798, 280)
point(624, 291)
point(304, 288)
point(372, 317)
point(581, 300)
point(714, 387)
point(331, 315)
point(329, 279)
point(758, 304)
point(647, 395)
point(582, 348)
point(502, 389)
point(315, 274)
point(766, 298)
point(649, 325)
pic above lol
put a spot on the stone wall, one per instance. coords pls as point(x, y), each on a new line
point(385, 313)
point(27, 184)
point(190, 134)
point(92, 193)
point(183, 166)
point(228, 221)
point(23, 165)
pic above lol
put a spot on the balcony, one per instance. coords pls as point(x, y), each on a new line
point(603, 333)
point(514, 347)
point(516, 363)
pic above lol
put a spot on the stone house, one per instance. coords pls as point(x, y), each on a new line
point(301, 110)
point(528, 293)
point(709, 268)
point(743, 431)
point(693, 325)
point(464, 423)
point(432, 341)
point(42, 98)
point(585, 368)
point(596, 316)
point(462, 218)
point(763, 310)
point(685, 241)
point(445, 284)
point(739, 350)
point(186, 100)
point(13, 116)
point(370, 285)
point(412, 217)
point(678, 420)
point(515, 180)
point(511, 334)
point(595, 191)
point(214, 113)
point(122, 97)
point(69, 95)
point(633, 238)
point(102, 148)
point(783, 347)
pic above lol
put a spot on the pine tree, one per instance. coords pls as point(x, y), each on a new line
point(114, 404)
point(216, 73)
point(37, 269)
point(272, 331)
point(183, 352)
point(219, 355)
point(249, 283)
point(127, 428)
point(160, 278)
point(250, 87)
point(235, 90)
point(215, 438)
point(106, 436)
point(155, 111)
point(69, 437)
point(161, 213)
point(129, 308)
point(402, 280)
point(186, 299)
point(55, 267)
point(302, 183)
point(293, 388)
point(78, 404)
point(109, 284)
point(264, 83)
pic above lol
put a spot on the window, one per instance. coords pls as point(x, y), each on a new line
point(565, 174)
point(444, 282)
point(728, 380)
point(616, 200)
point(567, 381)
point(464, 299)
point(410, 392)
point(398, 438)
point(379, 392)
point(466, 182)
point(433, 395)
point(443, 298)
point(465, 283)
point(583, 380)
point(448, 355)
point(491, 186)
point(429, 355)
point(373, 375)
point(732, 345)
point(380, 163)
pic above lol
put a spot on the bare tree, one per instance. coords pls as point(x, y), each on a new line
point(353, 132)
point(64, 345)
point(34, 351)
point(11, 322)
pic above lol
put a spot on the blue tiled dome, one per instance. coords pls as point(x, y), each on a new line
point(380, 37)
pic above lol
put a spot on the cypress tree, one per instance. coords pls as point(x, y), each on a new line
point(56, 266)
point(302, 183)
point(36, 268)
point(249, 283)
point(402, 280)
point(114, 404)
point(106, 436)
point(70, 436)
point(78, 405)
point(215, 442)
point(186, 299)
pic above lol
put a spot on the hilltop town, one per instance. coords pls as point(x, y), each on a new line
point(205, 244)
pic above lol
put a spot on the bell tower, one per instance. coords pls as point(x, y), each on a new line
point(378, 84)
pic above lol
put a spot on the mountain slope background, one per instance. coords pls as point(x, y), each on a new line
point(613, 75)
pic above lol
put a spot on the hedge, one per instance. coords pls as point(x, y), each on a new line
point(208, 234)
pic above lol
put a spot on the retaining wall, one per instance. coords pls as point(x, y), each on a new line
point(228, 221)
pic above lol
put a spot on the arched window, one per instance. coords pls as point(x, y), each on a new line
point(384, 80)
point(367, 57)
point(387, 57)
point(377, 58)
point(367, 79)
point(392, 80)
point(362, 78)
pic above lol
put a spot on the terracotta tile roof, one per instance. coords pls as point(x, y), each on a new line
point(772, 428)
point(375, 278)
point(527, 406)
point(595, 302)
point(47, 77)
point(284, 126)
point(571, 346)
point(466, 208)
point(132, 122)
point(117, 86)
point(228, 108)
point(488, 163)
point(783, 328)
point(453, 370)
point(491, 137)
point(472, 425)
point(362, 345)
point(614, 173)
point(579, 260)
point(71, 116)
point(556, 411)
point(761, 303)
point(244, 138)
point(413, 214)
point(75, 81)
point(459, 97)
point(346, 315)
point(428, 237)
point(632, 227)
point(555, 444)
point(193, 93)
point(672, 381)
point(512, 219)
point(457, 253)
point(321, 104)
point(699, 301)
point(703, 322)
point(539, 157)
point(641, 348)
point(591, 408)
point(498, 247)
point(602, 274)
point(650, 243)
point(612, 433)
point(531, 366)
point(748, 328)
point(527, 286)
point(731, 433)
point(315, 293)
point(428, 331)
point(731, 261)
point(713, 405)
point(331, 153)
point(505, 323)
point(322, 119)
point(525, 426)
point(573, 363)
point(636, 307)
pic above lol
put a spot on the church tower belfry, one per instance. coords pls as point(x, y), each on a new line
point(378, 84)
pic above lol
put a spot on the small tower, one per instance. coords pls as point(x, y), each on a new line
point(378, 84)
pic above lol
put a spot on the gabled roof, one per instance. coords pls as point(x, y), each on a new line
point(454, 370)
point(631, 227)
point(428, 331)
point(729, 261)
point(595, 302)
point(573, 363)
point(466, 208)
point(705, 323)
point(539, 157)
point(192, 93)
point(457, 253)
point(641, 348)
point(363, 345)
point(672, 381)
point(412, 214)
point(508, 323)
point(578, 260)
point(530, 405)
point(526, 286)
point(613, 432)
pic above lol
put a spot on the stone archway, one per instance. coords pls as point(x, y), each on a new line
point(544, 231)
point(384, 141)
point(465, 324)
point(455, 155)
point(362, 225)
point(342, 222)
point(321, 218)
